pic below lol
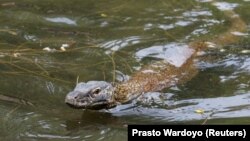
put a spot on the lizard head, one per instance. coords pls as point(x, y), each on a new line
point(94, 95)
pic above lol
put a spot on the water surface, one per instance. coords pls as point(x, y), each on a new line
point(116, 38)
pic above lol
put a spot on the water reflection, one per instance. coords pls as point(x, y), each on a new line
point(116, 45)
point(197, 13)
point(225, 5)
point(94, 118)
point(174, 53)
point(62, 20)
point(171, 110)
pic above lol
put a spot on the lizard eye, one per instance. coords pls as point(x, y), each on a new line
point(96, 91)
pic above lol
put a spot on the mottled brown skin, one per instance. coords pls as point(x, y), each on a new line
point(168, 75)
point(162, 74)
point(237, 25)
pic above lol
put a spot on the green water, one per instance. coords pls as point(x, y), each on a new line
point(105, 36)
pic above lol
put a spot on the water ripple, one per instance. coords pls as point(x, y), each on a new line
point(174, 53)
point(117, 44)
point(63, 20)
point(196, 13)
point(225, 5)
point(218, 107)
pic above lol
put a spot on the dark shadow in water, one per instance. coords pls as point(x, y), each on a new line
point(94, 120)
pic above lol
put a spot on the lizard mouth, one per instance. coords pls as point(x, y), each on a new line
point(93, 95)
point(92, 106)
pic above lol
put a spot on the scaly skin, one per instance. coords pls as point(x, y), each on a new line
point(154, 77)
